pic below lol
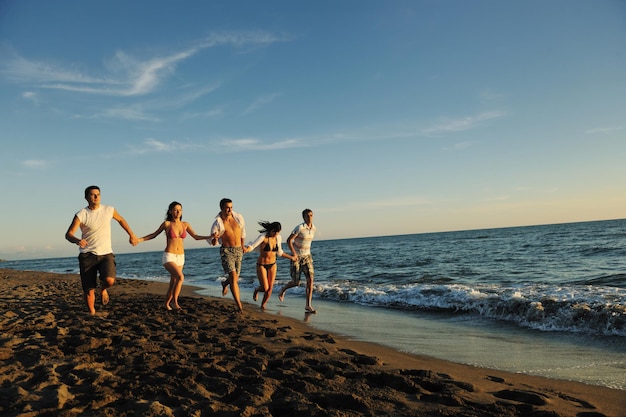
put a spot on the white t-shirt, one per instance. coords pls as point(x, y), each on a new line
point(303, 238)
point(95, 226)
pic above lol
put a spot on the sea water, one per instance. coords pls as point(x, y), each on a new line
point(544, 300)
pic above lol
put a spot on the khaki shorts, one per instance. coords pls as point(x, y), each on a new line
point(304, 264)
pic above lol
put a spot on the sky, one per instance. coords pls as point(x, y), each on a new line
point(383, 117)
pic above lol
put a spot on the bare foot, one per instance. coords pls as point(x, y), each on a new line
point(310, 310)
point(224, 288)
point(255, 295)
point(281, 296)
point(167, 307)
point(105, 297)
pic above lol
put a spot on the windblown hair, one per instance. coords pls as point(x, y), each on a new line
point(269, 227)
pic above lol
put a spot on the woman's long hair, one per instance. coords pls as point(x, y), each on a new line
point(270, 227)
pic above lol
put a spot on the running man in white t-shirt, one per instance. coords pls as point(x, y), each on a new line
point(96, 254)
point(299, 242)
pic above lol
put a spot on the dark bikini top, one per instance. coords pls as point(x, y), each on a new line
point(172, 235)
point(268, 248)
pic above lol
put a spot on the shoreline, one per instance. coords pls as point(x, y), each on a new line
point(134, 357)
point(464, 340)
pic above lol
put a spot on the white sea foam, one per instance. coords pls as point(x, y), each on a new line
point(581, 309)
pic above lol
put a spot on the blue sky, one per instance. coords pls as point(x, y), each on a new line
point(384, 117)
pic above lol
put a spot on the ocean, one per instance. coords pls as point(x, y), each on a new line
point(545, 300)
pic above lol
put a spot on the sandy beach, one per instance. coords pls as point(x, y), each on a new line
point(135, 358)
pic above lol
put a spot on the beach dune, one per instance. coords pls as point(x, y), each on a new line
point(134, 358)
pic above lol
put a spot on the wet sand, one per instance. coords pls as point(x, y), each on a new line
point(135, 358)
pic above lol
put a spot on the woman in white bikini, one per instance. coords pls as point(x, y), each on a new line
point(174, 255)
point(268, 244)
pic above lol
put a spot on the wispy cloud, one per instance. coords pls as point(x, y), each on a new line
point(410, 130)
point(145, 110)
point(260, 102)
point(462, 124)
point(373, 132)
point(127, 113)
point(32, 96)
point(365, 133)
point(151, 145)
point(253, 144)
point(35, 163)
point(209, 114)
point(160, 146)
point(604, 130)
point(20, 70)
point(124, 74)
point(460, 146)
point(186, 97)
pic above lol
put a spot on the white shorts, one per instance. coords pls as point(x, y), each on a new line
point(173, 258)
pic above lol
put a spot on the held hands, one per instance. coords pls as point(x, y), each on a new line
point(213, 239)
point(133, 240)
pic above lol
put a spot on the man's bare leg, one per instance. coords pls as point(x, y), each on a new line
point(106, 283)
point(90, 299)
point(234, 288)
point(281, 294)
point(225, 285)
point(309, 295)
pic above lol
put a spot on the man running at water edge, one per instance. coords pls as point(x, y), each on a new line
point(229, 229)
point(299, 242)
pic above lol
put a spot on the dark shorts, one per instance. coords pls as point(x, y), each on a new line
point(304, 264)
point(91, 264)
point(231, 259)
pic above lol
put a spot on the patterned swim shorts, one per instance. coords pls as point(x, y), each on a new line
point(231, 259)
point(304, 264)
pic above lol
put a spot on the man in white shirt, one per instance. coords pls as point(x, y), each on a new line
point(229, 229)
point(96, 253)
point(299, 242)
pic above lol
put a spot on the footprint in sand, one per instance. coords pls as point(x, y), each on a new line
point(528, 397)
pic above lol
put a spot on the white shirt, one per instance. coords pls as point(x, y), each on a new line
point(218, 226)
point(95, 226)
point(303, 237)
point(255, 245)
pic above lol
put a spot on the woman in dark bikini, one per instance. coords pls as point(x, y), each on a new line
point(174, 255)
point(268, 245)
